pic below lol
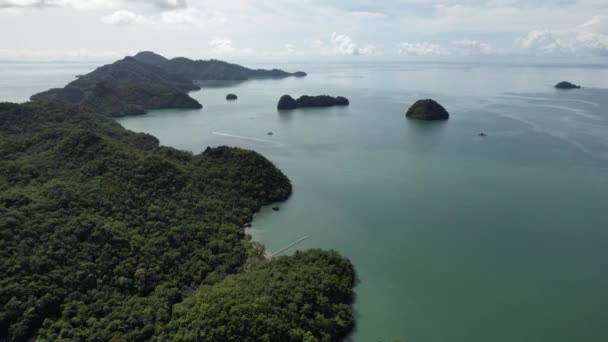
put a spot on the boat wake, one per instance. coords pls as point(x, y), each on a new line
point(246, 138)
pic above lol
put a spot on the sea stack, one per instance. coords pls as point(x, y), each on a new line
point(566, 85)
point(231, 97)
point(427, 110)
point(287, 102)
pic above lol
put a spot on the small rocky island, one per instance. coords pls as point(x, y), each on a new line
point(566, 85)
point(287, 102)
point(231, 97)
point(427, 110)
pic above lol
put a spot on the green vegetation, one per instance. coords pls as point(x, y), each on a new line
point(298, 298)
point(209, 70)
point(287, 102)
point(134, 85)
point(105, 235)
point(428, 110)
point(126, 87)
point(566, 85)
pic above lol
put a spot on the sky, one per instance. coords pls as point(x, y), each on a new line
point(575, 30)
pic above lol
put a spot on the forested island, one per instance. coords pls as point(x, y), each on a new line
point(134, 85)
point(566, 85)
point(286, 102)
point(428, 110)
point(105, 235)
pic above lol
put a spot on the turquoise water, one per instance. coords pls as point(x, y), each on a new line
point(454, 237)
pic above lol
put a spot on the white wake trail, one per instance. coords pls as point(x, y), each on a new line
point(246, 138)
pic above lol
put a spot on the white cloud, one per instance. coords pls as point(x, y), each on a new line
point(368, 15)
point(124, 17)
point(344, 45)
point(472, 48)
point(422, 49)
point(76, 4)
point(590, 38)
point(290, 49)
point(455, 48)
point(221, 46)
point(188, 16)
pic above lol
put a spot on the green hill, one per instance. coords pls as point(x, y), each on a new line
point(105, 235)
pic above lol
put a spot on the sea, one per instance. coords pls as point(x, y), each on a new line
point(454, 236)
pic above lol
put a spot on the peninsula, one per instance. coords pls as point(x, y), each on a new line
point(134, 85)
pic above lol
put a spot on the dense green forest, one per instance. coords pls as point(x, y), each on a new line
point(107, 236)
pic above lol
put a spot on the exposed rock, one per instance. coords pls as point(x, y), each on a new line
point(427, 110)
point(566, 85)
point(269, 133)
point(276, 208)
point(288, 102)
point(231, 97)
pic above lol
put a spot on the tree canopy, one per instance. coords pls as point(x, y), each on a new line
point(105, 235)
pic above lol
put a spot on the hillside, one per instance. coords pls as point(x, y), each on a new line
point(126, 87)
point(210, 69)
point(134, 85)
point(104, 233)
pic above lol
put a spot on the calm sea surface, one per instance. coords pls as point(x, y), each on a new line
point(454, 237)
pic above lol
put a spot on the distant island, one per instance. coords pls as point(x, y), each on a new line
point(209, 70)
point(231, 97)
point(566, 85)
point(427, 110)
point(286, 102)
point(134, 85)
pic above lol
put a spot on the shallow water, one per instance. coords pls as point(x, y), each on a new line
point(454, 237)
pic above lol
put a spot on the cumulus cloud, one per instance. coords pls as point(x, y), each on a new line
point(166, 4)
point(77, 4)
point(124, 17)
point(455, 48)
point(422, 49)
point(187, 16)
point(344, 45)
point(472, 48)
point(222, 46)
point(290, 49)
point(590, 38)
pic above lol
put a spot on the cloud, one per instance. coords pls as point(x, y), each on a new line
point(290, 49)
point(472, 48)
point(344, 45)
point(188, 16)
point(221, 46)
point(422, 49)
point(455, 48)
point(589, 38)
point(41, 4)
point(166, 4)
point(368, 15)
point(124, 17)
